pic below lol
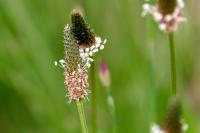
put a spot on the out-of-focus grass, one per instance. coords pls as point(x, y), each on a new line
point(32, 94)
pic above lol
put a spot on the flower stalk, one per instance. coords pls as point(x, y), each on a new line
point(173, 63)
point(168, 14)
point(82, 116)
point(105, 79)
point(111, 107)
point(80, 44)
point(93, 98)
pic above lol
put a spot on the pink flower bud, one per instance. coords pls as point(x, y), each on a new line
point(104, 74)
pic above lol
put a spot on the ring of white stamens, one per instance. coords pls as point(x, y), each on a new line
point(169, 22)
point(87, 53)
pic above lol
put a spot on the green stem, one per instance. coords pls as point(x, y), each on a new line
point(82, 117)
point(93, 98)
point(111, 106)
point(173, 63)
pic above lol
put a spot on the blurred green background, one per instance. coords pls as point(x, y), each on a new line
point(32, 93)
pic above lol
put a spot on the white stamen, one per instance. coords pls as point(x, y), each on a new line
point(105, 41)
point(146, 9)
point(181, 19)
point(82, 54)
point(86, 54)
point(79, 70)
point(90, 53)
point(91, 59)
point(97, 45)
point(87, 49)
point(55, 63)
point(181, 3)
point(155, 129)
point(168, 18)
point(81, 50)
point(62, 63)
point(98, 40)
point(102, 47)
point(176, 12)
point(92, 47)
point(95, 50)
point(162, 26)
point(184, 125)
point(157, 16)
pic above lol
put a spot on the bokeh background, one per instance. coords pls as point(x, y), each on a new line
point(32, 93)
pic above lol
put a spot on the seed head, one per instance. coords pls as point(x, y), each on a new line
point(173, 117)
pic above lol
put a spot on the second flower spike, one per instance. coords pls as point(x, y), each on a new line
point(167, 13)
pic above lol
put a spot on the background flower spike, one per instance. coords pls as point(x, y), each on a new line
point(173, 116)
point(174, 123)
point(167, 13)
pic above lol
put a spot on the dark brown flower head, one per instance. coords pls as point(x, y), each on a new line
point(173, 118)
point(88, 43)
point(81, 30)
point(167, 6)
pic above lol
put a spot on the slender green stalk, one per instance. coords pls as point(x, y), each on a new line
point(111, 106)
point(173, 63)
point(82, 117)
point(93, 98)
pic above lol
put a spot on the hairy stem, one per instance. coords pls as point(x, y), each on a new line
point(173, 63)
point(82, 117)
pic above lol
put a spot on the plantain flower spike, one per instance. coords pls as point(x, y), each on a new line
point(80, 44)
point(167, 13)
point(173, 117)
point(173, 122)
